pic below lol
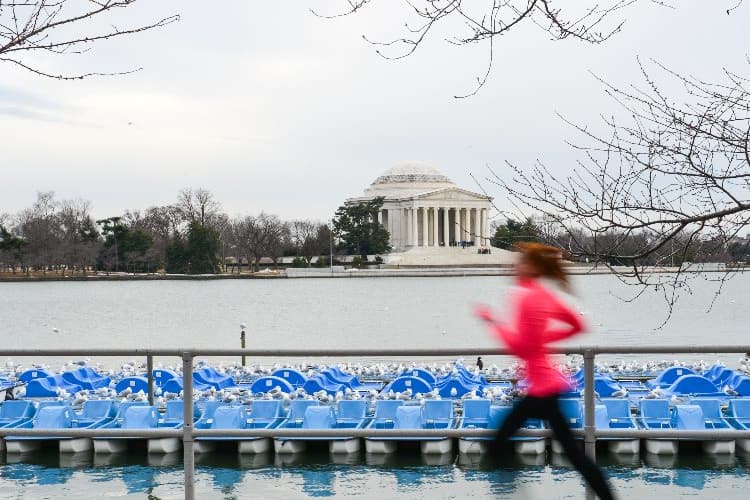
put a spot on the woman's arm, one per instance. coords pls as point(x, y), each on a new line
point(564, 314)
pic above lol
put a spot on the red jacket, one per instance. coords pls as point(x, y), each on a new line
point(529, 332)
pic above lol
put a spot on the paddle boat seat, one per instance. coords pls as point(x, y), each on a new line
point(162, 376)
point(668, 376)
point(351, 414)
point(140, 417)
point(294, 377)
point(265, 414)
point(320, 383)
point(297, 409)
point(174, 385)
point(692, 384)
point(654, 414)
point(34, 373)
point(404, 382)
point(209, 376)
point(739, 413)
point(421, 373)
point(437, 414)
point(95, 413)
point(385, 413)
point(48, 387)
point(135, 384)
point(712, 416)
point(476, 413)
point(456, 387)
point(618, 413)
point(15, 412)
point(268, 383)
point(87, 378)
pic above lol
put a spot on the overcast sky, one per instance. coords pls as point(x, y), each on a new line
point(274, 109)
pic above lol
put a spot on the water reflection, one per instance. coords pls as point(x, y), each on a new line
point(316, 473)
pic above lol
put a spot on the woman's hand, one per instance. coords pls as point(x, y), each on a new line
point(484, 312)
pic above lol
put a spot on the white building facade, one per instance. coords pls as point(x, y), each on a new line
point(424, 208)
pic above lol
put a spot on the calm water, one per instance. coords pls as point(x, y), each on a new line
point(416, 312)
point(44, 475)
point(362, 312)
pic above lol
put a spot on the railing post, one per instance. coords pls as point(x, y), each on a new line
point(588, 403)
point(150, 370)
point(187, 428)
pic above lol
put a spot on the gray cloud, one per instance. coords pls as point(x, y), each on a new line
point(274, 109)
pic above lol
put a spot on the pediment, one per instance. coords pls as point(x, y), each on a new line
point(453, 194)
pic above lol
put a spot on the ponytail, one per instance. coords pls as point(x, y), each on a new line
point(547, 260)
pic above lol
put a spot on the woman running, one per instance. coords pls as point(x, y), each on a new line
point(539, 319)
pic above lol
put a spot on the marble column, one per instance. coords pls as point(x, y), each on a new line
point(456, 224)
point(486, 227)
point(435, 228)
point(414, 228)
point(446, 228)
point(425, 227)
point(464, 227)
point(477, 228)
point(389, 228)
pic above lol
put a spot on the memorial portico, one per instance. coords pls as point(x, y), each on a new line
point(424, 208)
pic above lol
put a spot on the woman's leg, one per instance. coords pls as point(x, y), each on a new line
point(591, 473)
point(515, 420)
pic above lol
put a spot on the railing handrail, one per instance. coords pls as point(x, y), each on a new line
point(188, 433)
point(365, 352)
point(375, 433)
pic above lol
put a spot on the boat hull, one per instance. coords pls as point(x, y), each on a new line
point(22, 446)
point(472, 447)
point(76, 445)
point(163, 445)
point(625, 447)
point(110, 445)
point(289, 447)
point(661, 447)
point(718, 447)
point(254, 447)
point(380, 447)
point(438, 447)
point(743, 444)
point(536, 447)
point(204, 446)
point(344, 446)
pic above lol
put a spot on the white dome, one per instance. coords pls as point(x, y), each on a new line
point(408, 178)
point(412, 172)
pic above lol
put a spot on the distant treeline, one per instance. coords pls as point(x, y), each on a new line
point(192, 235)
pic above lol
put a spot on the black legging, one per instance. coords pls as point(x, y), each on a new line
point(547, 408)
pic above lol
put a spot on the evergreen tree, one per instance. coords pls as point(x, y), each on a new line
point(359, 230)
point(195, 255)
point(514, 231)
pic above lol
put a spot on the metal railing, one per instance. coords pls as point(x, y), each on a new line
point(187, 433)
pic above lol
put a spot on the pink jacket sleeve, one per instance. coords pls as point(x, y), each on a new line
point(564, 314)
point(529, 329)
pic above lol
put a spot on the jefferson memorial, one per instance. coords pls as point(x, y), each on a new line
point(431, 221)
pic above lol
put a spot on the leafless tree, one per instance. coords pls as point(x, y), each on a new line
point(259, 236)
point(670, 173)
point(79, 239)
point(30, 28)
point(307, 238)
point(484, 21)
point(198, 205)
point(39, 226)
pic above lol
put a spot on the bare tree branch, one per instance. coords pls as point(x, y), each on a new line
point(63, 27)
point(591, 22)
